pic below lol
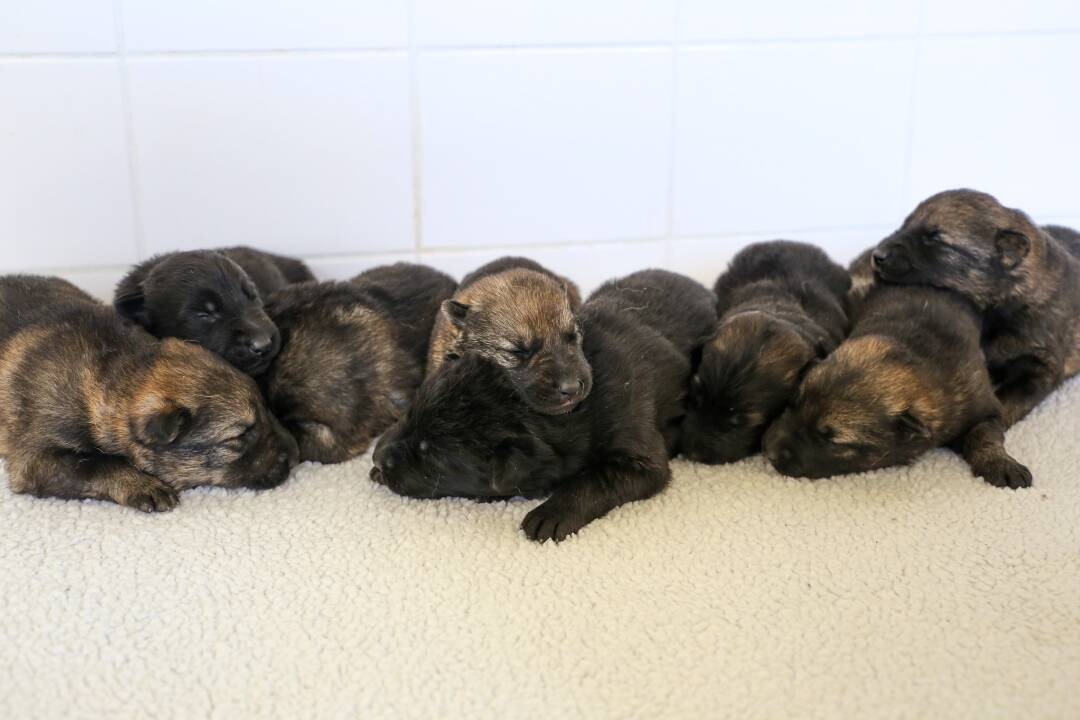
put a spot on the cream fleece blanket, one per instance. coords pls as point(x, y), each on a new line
point(917, 592)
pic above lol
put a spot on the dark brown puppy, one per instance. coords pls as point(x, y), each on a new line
point(1025, 281)
point(911, 377)
point(470, 433)
point(781, 306)
point(352, 355)
point(212, 297)
point(521, 316)
point(94, 407)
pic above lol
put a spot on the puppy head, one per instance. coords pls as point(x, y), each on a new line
point(749, 369)
point(960, 240)
point(195, 420)
point(522, 320)
point(464, 436)
point(339, 380)
point(207, 298)
point(866, 406)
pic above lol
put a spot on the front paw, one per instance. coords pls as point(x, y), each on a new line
point(553, 520)
point(1006, 473)
point(150, 495)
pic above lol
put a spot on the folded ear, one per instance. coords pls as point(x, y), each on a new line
point(910, 426)
point(130, 302)
point(455, 311)
point(1012, 247)
point(161, 426)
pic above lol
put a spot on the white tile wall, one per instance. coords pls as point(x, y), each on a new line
point(598, 137)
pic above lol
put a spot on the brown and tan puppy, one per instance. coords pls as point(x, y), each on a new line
point(911, 377)
point(521, 316)
point(1024, 280)
point(352, 355)
point(94, 407)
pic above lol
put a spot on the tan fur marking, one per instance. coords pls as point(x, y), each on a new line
point(12, 354)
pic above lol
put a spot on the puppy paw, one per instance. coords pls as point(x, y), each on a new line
point(151, 495)
point(1007, 473)
point(552, 521)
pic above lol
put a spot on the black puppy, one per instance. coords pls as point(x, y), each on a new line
point(469, 433)
point(781, 306)
point(212, 297)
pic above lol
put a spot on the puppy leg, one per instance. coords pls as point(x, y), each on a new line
point(593, 493)
point(65, 474)
point(983, 447)
point(1022, 383)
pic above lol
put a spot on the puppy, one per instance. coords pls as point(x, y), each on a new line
point(470, 432)
point(212, 297)
point(352, 355)
point(911, 377)
point(94, 407)
point(1023, 279)
point(781, 306)
point(521, 316)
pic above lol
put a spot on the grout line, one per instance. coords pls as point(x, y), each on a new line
point(129, 132)
point(416, 135)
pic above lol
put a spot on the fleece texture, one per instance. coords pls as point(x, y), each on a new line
point(908, 593)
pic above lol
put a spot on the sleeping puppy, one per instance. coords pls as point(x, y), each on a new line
point(911, 377)
point(352, 355)
point(1024, 280)
point(470, 433)
point(94, 407)
point(781, 306)
point(212, 297)
point(521, 316)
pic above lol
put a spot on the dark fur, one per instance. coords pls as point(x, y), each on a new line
point(911, 377)
point(469, 432)
point(212, 297)
point(1024, 280)
point(94, 407)
point(521, 316)
point(781, 307)
point(352, 355)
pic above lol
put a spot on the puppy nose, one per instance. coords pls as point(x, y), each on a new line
point(878, 258)
point(260, 343)
point(376, 475)
point(570, 388)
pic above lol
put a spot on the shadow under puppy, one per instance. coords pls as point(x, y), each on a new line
point(212, 297)
point(94, 407)
point(911, 377)
point(781, 306)
point(520, 316)
point(352, 355)
point(1023, 279)
point(470, 433)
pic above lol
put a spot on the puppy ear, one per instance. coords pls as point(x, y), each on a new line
point(911, 426)
point(457, 312)
point(130, 302)
point(161, 427)
point(1012, 247)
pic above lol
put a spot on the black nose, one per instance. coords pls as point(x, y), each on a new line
point(878, 258)
point(569, 388)
point(376, 475)
point(259, 344)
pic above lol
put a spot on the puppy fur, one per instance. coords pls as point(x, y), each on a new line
point(212, 297)
point(521, 316)
point(911, 377)
point(1024, 280)
point(781, 307)
point(470, 433)
point(94, 407)
point(352, 355)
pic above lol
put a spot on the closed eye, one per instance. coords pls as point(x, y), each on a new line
point(208, 311)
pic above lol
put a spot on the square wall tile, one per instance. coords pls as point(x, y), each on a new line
point(803, 136)
point(544, 146)
point(30, 26)
point(1000, 115)
point(101, 283)
point(302, 154)
point(257, 25)
point(587, 265)
point(345, 268)
point(974, 16)
point(703, 20)
point(65, 192)
point(531, 22)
